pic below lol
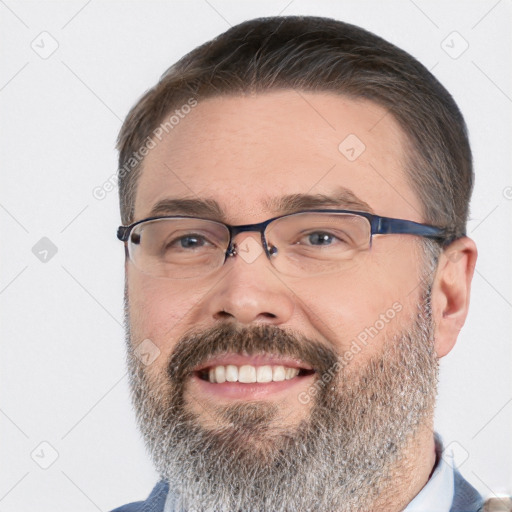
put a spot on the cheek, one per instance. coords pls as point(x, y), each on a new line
point(375, 299)
point(157, 309)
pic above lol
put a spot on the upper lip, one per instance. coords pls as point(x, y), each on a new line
point(253, 360)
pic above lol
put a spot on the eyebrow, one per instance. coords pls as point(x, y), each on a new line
point(341, 198)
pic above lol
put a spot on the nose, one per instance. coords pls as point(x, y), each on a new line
point(250, 290)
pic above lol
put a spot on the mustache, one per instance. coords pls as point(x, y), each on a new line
point(197, 347)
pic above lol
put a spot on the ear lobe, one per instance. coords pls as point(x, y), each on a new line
point(451, 291)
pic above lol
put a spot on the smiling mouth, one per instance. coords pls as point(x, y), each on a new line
point(250, 374)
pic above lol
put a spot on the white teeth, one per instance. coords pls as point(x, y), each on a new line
point(293, 373)
point(248, 373)
point(278, 373)
point(231, 373)
point(264, 374)
point(220, 374)
point(289, 373)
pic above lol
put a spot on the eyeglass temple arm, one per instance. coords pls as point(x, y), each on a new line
point(384, 225)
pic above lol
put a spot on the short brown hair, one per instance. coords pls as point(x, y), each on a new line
point(319, 54)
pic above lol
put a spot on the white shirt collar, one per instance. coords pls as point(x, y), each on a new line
point(437, 494)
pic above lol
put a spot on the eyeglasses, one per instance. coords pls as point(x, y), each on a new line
point(305, 243)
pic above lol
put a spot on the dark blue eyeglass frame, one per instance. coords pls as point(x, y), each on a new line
point(378, 226)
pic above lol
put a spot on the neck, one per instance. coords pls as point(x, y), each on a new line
point(410, 474)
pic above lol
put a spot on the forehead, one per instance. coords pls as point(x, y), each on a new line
point(245, 153)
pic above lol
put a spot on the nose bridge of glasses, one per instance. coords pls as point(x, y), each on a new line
point(249, 230)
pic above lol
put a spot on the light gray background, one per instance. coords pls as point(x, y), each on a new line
point(63, 374)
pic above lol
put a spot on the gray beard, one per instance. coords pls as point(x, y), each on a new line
point(344, 457)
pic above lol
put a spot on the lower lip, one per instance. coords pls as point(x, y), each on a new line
point(253, 390)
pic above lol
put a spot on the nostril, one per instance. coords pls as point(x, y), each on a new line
point(223, 314)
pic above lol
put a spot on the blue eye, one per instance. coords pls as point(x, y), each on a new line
point(319, 238)
point(189, 241)
point(324, 239)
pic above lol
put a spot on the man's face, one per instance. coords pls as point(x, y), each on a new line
point(242, 152)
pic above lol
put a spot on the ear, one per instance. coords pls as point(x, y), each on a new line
point(450, 292)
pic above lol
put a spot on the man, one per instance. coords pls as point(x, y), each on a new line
point(294, 195)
